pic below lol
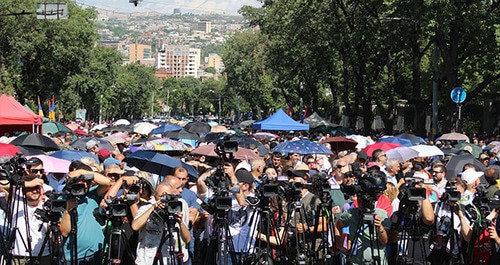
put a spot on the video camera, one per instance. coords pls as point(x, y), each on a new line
point(133, 193)
point(12, 169)
point(411, 192)
point(74, 189)
point(115, 210)
point(368, 188)
point(52, 208)
point(174, 205)
point(451, 194)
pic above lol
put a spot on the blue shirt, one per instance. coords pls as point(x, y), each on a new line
point(190, 197)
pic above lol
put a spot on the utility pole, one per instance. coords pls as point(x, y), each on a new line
point(220, 109)
point(435, 81)
point(152, 103)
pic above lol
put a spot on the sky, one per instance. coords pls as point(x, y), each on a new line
point(167, 6)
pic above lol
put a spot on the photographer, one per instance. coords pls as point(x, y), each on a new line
point(30, 231)
point(78, 217)
point(151, 225)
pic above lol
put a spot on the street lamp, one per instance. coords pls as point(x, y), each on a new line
point(220, 105)
point(100, 110)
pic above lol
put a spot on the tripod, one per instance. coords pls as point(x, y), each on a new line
point(322, 253)
point(168, 236)
point(55, 244)
point(113, 242)
point(221, 247)
point(366, 222)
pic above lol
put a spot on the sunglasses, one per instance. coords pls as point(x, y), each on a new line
point(35, 171)
point(33, 188)
point(341, 166)
point(311, 162)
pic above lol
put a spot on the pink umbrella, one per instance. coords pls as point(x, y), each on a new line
point(81, 132)
point(380, 145)
point(52, 164)
point(241, 154)
point(8, 150)
point(73, 126)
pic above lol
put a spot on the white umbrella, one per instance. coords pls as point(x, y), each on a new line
point(454, 137)
point(427, 150)
point(99, 127)
point(362, 140)
point(115, 139)
point(122, 122)
point(402, 154)
point(144, 127)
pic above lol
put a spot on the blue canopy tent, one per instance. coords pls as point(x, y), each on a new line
point(279, 121)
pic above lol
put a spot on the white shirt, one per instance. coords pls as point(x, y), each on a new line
point(37, 237)
point(150, 236)
point(239, 218)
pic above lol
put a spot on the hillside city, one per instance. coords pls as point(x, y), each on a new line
point(177, 45)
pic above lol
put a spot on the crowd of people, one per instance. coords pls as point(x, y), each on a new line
point(277, 208)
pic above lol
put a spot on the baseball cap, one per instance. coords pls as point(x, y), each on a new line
point(91, 144)
point(470, 175)
point(104, 153)
point(300, 171)
point(244, 176)
point(111, 161)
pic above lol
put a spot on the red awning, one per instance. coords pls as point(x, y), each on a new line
point(13, 113)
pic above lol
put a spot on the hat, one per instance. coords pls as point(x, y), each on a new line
point(421, 175)
point(114, 169)
point(110, 161)
point(91, 144)
point(104, 153)
point(244, 176)
point(243, 165)
point(483, 157)
point(470, 175)
point(300, 171)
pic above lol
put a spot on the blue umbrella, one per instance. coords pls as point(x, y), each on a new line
point(396, 140)
point(166, 128)
point(157, 163)
point(72, 155)
point(413, 138)
point(303, 147)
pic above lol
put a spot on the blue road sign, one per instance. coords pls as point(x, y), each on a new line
point(458, 95)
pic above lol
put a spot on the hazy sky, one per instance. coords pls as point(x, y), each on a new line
point(167, 6)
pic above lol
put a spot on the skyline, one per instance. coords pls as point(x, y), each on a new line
point(167, 6)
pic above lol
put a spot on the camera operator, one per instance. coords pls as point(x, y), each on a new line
point(34, 166)
point(492, 174)
point(439, 177)
point(89, 236)
point(31, 239)
point(152, 225)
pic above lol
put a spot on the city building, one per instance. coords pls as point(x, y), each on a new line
point(177, 11)
point(204, 26)
point(181, 61)
point(214, 60)
point(138, 52)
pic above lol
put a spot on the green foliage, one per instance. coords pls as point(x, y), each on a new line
point(210, 70)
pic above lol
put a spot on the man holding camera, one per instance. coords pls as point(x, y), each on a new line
point(153, 227)
point(78, 220)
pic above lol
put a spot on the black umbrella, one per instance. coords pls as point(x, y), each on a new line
point(243, 141)
point(37, 141)
point(28, 151)
point(182, 134)
point(456, 164)
point(157, 163)
point(102, 143)
point(197, 127)
point(211, 137)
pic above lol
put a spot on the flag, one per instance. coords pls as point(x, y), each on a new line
point(40, 110)
point(290, 109)
point(53, 110)
point(306, 114)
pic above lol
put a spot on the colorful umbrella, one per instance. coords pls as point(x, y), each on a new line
point(157, 163)
point(303, 147)
point(454, 137)
point(340, 143)
point(81, 132)
point(166, 128)
point(384, 146)
point(8, 150)
point(114, 139)
point(164, 145)
point(73, 126)
point(101, 142)
point(396, 140)
point(472, 148)
point(52, 164)
point(37, 141)
point(427, 150)
point(54, 127)
point(72, 155)
point(363, 141)
point(209, 150)
point(402, 154)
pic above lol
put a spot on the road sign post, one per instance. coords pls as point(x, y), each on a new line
point(458, 95)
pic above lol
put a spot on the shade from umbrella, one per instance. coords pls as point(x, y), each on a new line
point(101, 142)
point(413, 138)
point(72, 155)
point(29, 151)
point(52, 164)
point(166, 128)
point(144, 127)
point(164, 145)
point(209, 150)
point(454, 137)
point(54, 127)
point(37, 141)
point(218, 128)
point(456, 164)
point(303, 147)
point(121, 122)
point(261, 136)
point(402, 154)
point(246, 123)
point(396, 140)
point(384, 146)
point(157, 163)
point(8, 150)
point(363, 141)
point(198, 127)
point(427, 150)
point(340, 143)
point(472, 148)
point(182, 134)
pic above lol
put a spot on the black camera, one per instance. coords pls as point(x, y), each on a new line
point(12, 168)
point(116, 209)
point(52, 208)
point(75, 189)
point(451, 194)
point(411, 193)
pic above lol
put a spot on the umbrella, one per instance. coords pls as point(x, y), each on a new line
point(427, 150)
point(246, 123)
point(182, 134)
point(37, 141)
point(28, 151)
point(363, 141)
point(54, 127)
point(144, 127)
point(261, 136)
point(121, 122)
point(157, 163)
point(413, 138)
point(115, 139)
point(396, 140)
point(52, 164)
point(303, 147)
point(99, 127)
point(212, 137)
point(73, 126)
point(197, 127)
point(456, 164)
point(384, 146)
point(119, 128)
point(212, 123)
point(102, 143)
point(402, 154)
point(243, 141)
point(454, 137)
point(166, 128)
point(8, 150)
point(164, 144)
point(472, 148)
point(218, 128)
point(209, 150)
point(340, 143)
point(122, 135)
point(81, 132)
point(72, 155)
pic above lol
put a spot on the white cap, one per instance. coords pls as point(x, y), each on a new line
point(243, 165)
point(470, 175)
point(421, 175)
